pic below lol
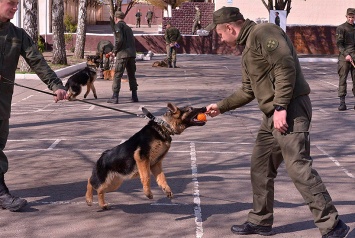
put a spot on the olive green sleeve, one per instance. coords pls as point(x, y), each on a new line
point(38, 64)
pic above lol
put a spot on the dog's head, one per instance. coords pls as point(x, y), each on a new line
point(93, 61)
point(181, 118)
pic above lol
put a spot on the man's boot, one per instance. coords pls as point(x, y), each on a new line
point(134, 96)
point(169, 64)
point(7, 201)
point(113, 99)
point(342, 106)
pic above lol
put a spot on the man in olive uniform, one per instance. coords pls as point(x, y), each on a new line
point(345, 38)
point(197, 20)
point(138, 18)
point(277, 19)
point(172, 37)
point(104, 47)
point(125, 52)
point(149, 17)
point(271, 73)
point(13, 43)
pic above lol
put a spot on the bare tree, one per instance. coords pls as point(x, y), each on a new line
point(30, 8)
point(81, 30)
point(59, 53)
point(278, 5)
point(116, 5)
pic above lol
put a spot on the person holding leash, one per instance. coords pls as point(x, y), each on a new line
point(125, 52)
point(14, 42)
point(345, 38)
point(271, 73)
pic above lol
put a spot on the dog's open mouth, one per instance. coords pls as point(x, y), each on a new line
point(196, 120)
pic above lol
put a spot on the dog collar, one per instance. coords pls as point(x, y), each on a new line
point(159, 121)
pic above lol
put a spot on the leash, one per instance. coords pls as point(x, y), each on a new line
point(146, 112)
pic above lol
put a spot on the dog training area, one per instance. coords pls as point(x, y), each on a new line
point(52, 149)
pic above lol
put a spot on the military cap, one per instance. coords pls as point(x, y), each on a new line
point(350, 11)
point(119, 15)
point(225, 15)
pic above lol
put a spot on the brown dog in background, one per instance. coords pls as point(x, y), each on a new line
point(141, 155)
point(109, 74)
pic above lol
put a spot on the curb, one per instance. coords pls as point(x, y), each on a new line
point(60, 72)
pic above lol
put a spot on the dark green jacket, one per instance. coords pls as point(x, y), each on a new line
point(104, 47)
point(271, 72)
point(14, 42)
point(125, 43)
point(172, 35)
point(345, 38)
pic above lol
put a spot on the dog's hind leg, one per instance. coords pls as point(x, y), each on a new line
point(144, 174)
point(157, 171)
point(89, 193)
point(112, 183)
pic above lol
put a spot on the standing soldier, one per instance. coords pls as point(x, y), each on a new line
point(197, 20)
point(345, 37)
point(149, 17)
point(272, 74)
point(277, 19)
point(138, 18)
point(172, 37)
point(125, 52)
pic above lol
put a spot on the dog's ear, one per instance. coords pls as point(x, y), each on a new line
point(172, 107)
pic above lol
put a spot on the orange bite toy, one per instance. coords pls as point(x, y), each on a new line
point(201, 117)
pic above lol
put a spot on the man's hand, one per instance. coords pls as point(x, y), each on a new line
point(61, 95)
point(348, 58)
point(212, 110)
point(280, 123)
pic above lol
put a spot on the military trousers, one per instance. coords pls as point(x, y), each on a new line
point(171, 53)
point(344, 67)
point(293, 148)
point(4, 132)
point(130, 65)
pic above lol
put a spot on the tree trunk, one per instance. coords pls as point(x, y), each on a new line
point(81, 31)
point(59, 54)
point(30, 8)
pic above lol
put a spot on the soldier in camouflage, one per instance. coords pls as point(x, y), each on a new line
point(14, 42)
point(172, 37)
point(345, 38)
point(271, 73)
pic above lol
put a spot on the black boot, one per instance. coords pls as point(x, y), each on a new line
point(169, 64)
point(174, 65)
point(113, 99)
point(7, 201)
point(342, 106)
point(134, 96)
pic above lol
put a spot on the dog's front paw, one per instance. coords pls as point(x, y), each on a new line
point(168, 192)
point(105, 207)
point(89, 202)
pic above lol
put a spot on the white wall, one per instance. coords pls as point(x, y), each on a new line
point(303, 12)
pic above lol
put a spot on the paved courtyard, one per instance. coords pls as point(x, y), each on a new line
point(52, 148)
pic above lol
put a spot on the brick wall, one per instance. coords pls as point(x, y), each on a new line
point(316, 40)
point(183, 17)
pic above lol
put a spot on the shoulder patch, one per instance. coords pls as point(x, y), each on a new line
point(271, 44)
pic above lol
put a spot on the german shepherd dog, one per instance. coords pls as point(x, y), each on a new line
point(86, 76)
point(162, 63)
point(141, 155)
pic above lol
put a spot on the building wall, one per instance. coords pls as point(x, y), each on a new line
point(303, 12)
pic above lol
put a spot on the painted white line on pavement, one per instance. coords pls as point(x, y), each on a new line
point(336, 162)
point(91, 108)
point(197, 201)
point(53, 145)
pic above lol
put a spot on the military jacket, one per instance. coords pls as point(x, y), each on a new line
point(172, 35)
point(104, 47)
point(197, 16)
point(345, 38)
point(271, 71)
point(149, 15)
point(125, 43)
point(14, 42)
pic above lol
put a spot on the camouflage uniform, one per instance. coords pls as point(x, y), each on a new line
point(345, 39)
point(125, 51)
point(104, 47)
point(272, 74)
point(149, 17)
point(172, 35)
point(13, 43)
point(197, 21)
